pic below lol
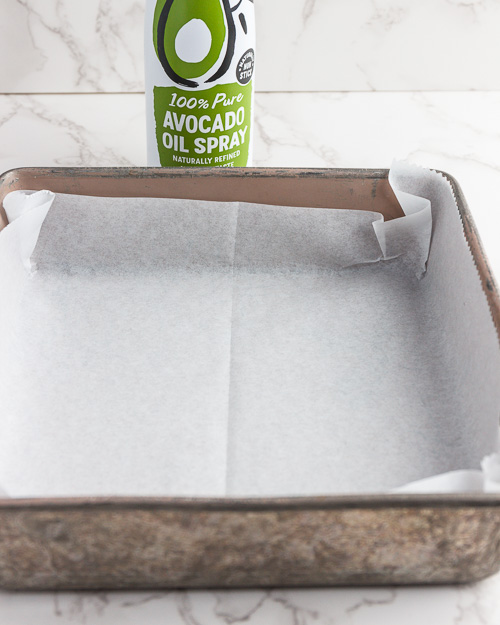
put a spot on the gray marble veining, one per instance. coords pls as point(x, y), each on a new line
point(477, 605)
point(65, 46)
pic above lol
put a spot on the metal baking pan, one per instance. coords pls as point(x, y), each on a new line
point(139, 543)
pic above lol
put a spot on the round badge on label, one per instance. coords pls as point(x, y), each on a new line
point(245, 67)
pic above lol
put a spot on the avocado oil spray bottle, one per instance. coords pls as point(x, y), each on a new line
point(199, 57)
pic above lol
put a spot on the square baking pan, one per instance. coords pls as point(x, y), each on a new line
point(148, 543)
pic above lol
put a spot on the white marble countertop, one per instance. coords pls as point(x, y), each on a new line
point(455, 132)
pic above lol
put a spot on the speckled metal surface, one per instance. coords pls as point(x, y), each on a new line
point(138, 543)
point(180, 543)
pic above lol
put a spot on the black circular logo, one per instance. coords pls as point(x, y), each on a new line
point(245, 67)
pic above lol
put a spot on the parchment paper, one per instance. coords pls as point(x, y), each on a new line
point(178, 347)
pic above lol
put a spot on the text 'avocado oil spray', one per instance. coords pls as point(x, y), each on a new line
point(199, 57)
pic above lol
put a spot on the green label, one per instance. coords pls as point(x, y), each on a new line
point(206, 128)
point(169, 19)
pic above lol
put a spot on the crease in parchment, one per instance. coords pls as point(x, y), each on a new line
point(394, 238)
point(27, 213)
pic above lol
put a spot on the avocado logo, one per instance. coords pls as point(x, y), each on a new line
point(193, 37)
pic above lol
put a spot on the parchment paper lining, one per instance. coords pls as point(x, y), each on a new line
point(176, 347)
